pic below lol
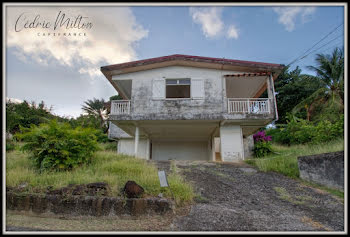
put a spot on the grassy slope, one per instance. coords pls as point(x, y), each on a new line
point(106, 166)
point(284, 160)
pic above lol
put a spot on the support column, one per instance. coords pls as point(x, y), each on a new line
point(231, 143)
point(271, 95)
point(137, 137)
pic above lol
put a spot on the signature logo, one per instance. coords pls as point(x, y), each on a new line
point(78, 22)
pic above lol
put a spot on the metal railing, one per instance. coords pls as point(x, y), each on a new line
point(120, 107)
point(248, 105)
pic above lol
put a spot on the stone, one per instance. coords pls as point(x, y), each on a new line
point(133, 190)
point(99, 188)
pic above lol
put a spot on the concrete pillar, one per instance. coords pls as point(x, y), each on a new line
point(231, 143)
point(271, 95)
point(148, 157)
point(137, 137)
point(213, 148)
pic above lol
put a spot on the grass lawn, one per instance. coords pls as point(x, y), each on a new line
point(106, 166)
point(284, 159)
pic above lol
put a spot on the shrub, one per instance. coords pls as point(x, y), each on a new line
point(56, 146)
point(100, 136)
point(262, 145)
point(299, 131)
point(10, 145)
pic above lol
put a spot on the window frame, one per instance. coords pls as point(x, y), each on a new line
point(178, 84)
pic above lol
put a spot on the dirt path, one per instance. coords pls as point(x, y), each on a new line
point(236, 197)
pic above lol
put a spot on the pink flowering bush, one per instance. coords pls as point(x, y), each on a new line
point(262, 145)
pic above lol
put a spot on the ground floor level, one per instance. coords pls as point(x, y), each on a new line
point(186, 140)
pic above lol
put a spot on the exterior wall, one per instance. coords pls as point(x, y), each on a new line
point(248, 144)
point(145, 107)
point(231, 141)
point(114, 132)
point(178, 150)
point(127, 146)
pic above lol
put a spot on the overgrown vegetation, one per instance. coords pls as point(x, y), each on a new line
point(105, 166)
point(300, 131)
point(284, 158)
point(56, 146)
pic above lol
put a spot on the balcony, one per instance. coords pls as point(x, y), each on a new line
point(248, 105)
point(120, 107)
point(234, 106)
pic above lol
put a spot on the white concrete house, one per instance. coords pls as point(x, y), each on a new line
point(185, 107)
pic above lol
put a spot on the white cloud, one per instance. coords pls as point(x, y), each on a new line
point(209, 18)
point(14, 100)
point(289, 15)
point(232, 32)
point(110, 40)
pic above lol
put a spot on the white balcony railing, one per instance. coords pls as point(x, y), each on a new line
point(120, 107)
point(248, 105)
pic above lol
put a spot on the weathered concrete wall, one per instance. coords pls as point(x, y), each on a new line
point(325, 169)
point(143, 103)
point(86, 205)
point(248, 143)
point(212, 107)
point(127, 146)
point(231, 141)
point(114, 132)
point(180, 150)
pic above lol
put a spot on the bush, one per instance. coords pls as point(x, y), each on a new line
point(56, 146)
point(299, 131)
point(262, 145)
point(100, 136)
point(10, 145)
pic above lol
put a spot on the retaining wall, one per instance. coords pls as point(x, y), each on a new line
point(86, 205)
point(325, 169)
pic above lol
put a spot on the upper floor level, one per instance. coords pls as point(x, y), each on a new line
point(181, 87)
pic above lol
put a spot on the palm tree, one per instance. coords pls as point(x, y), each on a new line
point(330, 97)
point(96, 108)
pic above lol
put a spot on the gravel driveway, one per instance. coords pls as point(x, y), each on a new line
point(236, 197)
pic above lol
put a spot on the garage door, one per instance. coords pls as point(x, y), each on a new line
point(180, 150)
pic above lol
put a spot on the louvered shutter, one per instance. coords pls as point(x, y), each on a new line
point(158, 88)
point(197, 88)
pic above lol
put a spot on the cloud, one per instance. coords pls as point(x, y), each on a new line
point(14, 100)
point(232, 32)
point(111, 39)
point(289, 15)
point(209, 18)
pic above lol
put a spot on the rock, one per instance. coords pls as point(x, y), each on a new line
point(132, 189)
point(99, 188)
point(160, 195)
point(22, 186)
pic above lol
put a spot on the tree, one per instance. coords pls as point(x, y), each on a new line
point(24, 114)
point(291, 87)
point(96, 108)
point(328, 101)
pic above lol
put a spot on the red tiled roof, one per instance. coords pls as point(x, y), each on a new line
point(191, 58)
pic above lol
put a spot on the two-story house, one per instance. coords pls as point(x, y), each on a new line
point(185, 107)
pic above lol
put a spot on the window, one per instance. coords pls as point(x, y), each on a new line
point(178, 88)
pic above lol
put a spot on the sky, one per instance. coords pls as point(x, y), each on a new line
point(64, 70)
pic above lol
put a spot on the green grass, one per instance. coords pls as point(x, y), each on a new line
point(284, 159)
point(106, 166)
